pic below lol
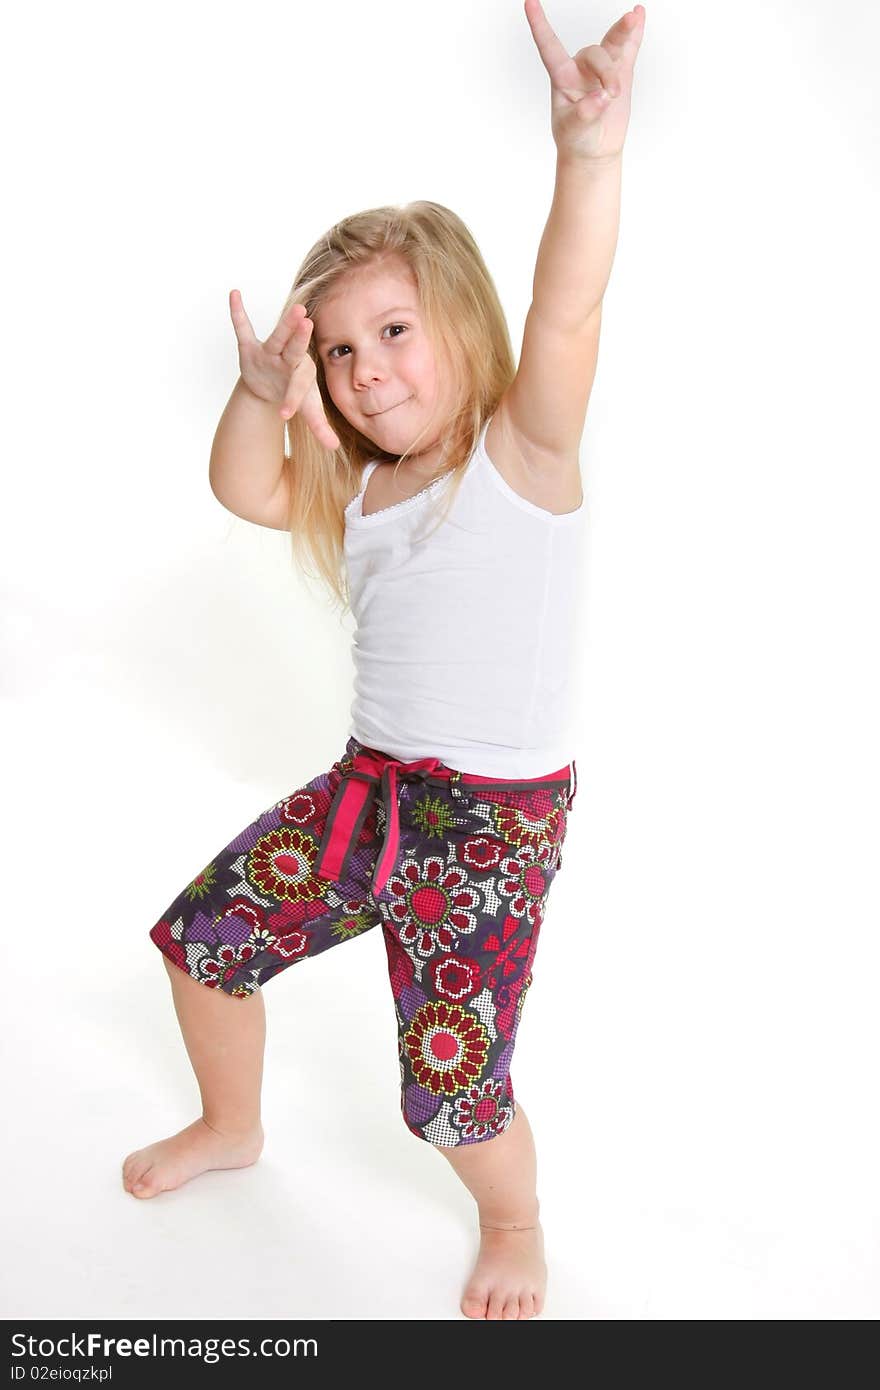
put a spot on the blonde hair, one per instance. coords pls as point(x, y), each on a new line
point(465, 323)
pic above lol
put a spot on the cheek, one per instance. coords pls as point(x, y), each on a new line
point(424, 369)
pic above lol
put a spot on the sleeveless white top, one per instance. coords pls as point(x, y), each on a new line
point(465, 642)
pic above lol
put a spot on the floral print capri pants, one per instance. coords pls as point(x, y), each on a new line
point(455, 867)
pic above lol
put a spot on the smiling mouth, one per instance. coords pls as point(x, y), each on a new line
point(391, 407)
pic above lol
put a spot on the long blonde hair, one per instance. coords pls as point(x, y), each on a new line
point(464, 321)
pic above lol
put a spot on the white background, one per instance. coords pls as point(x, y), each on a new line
point(699, 1055)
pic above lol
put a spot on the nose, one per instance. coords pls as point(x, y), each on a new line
point(366, 373)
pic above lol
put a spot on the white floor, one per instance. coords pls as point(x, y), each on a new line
point(664, 1204)
point(697, 1056)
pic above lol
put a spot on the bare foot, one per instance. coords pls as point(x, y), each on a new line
point(196, 1149)
point(510, 1276)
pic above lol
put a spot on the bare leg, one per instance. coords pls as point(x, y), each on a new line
point(225, 1040)
point(510, 1277)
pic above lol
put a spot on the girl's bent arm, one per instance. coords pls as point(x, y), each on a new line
point(247, 460)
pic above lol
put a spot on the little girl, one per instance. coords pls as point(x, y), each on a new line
point(437, 489)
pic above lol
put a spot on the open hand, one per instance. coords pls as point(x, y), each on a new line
point(589, 93)
point(281, 369)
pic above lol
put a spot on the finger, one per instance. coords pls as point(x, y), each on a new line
point(298, 385)
point(290, 320)
point(297, 344)
point(241, 323)
point(312, 412)
point(595, 62)
point(304, 398)
point(553, 52)
point(626, 28)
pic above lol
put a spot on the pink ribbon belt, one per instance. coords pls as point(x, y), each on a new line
point(373, 771)
point(350, 808)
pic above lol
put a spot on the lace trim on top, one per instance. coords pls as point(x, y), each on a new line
point(355, 511)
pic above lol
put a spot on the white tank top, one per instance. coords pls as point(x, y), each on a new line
point(465, 644)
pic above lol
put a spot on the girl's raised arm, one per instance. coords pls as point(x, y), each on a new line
point(590, 103)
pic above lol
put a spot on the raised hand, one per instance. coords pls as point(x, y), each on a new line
point(281, 370)
point(590, 92)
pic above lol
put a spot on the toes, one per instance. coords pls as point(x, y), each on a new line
point(134, 1168)
point(511, 1308)
point(526, 1305)
point(146, 1185)
point(495, 1311)
point(474, 1305)
point(129, 1174)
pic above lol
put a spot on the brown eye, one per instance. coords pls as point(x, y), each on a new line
point(342, 345)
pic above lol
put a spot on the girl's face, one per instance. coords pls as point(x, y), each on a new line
point(379, 365)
